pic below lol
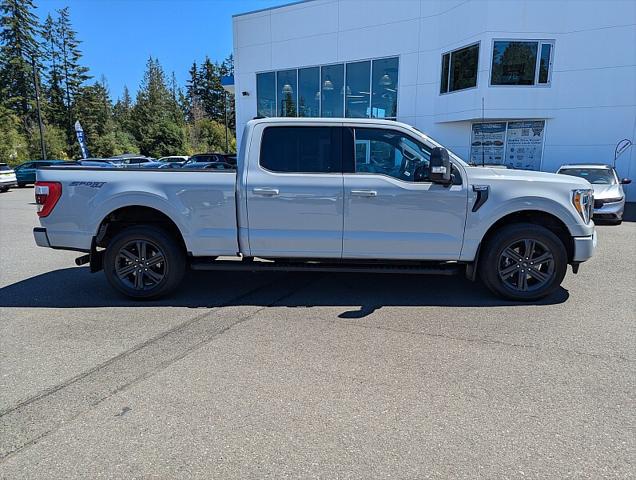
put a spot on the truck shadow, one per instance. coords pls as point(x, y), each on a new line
point(365, 293)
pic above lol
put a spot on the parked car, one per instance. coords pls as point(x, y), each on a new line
point(87, 163)
point(25, 172)
point(158, 164)
point(7, 177)
point(609, 197)
point(210, 166)
point(334, 194)
point(208, 157)
point(129, 160)
point(181, 159)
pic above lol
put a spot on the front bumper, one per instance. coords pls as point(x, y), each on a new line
point(584, 248)
point(614, 209)
point(8, 182)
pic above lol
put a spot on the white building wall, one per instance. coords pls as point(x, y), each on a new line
point(589, 106)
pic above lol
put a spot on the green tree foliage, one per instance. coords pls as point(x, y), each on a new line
point(13, 144)
point(18, 48)
point(156, 118)
point(54, 140)
point(209, 136)
point(53, 93)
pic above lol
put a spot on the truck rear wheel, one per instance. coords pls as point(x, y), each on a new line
point(144, 262)
point(523, 262)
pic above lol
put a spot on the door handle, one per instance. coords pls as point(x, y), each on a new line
point(364, 193)
point(266, 192)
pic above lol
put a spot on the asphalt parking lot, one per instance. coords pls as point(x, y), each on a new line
point(312, 375)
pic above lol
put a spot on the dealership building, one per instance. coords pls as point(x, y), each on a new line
point(529, 84)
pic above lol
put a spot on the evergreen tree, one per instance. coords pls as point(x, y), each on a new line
point(194, 110)
point(73, 73)
point(154, 121)
point(227, 69)
point(18, 50)
point(122, 112)
point(211, 91)
point(53, 93)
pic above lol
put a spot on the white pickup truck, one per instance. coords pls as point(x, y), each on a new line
point(325, 195)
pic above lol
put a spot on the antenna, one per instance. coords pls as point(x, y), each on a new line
point(483, 161)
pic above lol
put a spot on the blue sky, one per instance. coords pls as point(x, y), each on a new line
point(118, 36)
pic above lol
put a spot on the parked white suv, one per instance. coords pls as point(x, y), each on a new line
point(326, 195)
point(7, 177)
point(609, 197)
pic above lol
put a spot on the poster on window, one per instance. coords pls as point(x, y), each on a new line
point(524, 144)
point(487, 143)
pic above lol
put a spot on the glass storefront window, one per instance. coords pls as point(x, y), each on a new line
point(286, 91)
point(369, 90)
point(384, 81)
point(266, 94)
point(358, 90)
point(459, 69)
point(544, 63)
point(332, 87)
point(309, 92)
point(445, 71)
point(514, 63)
point(527, 62)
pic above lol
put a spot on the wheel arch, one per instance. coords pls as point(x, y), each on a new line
point(538, 217)
point(122, 217)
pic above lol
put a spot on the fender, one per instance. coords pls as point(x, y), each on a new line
point(478, 223)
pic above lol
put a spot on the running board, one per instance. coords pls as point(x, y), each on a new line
point(261, 266)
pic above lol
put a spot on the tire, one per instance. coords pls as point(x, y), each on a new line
point(125, 254)
point(21, 185)
point(509, 273)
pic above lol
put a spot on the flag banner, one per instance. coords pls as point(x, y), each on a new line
point(79, 131)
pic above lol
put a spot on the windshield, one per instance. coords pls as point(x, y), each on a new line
point(596, 176)
point(4, 168)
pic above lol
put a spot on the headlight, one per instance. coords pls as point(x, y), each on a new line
point(583, 201)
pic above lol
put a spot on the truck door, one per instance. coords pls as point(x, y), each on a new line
point(295, 193)
point(392, 209)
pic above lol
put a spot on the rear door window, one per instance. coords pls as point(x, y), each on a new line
point(302, 149)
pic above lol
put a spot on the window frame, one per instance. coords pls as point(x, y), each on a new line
point(450, 63)
point(540, 43)
point(274, 172)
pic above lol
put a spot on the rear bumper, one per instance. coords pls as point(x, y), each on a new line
point(72, 243)
point(41, 238)
point(584, 248)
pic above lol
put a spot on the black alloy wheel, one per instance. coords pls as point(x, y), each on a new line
point(144, 262)
point(523, 262)
point(526, 265)
point(141, 265)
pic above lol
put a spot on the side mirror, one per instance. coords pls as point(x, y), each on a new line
point(440, 166)
point(626, 181)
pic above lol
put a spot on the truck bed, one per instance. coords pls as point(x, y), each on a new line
point(201, 203)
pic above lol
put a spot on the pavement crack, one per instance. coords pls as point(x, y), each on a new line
point(33, 419)
point(486, 341)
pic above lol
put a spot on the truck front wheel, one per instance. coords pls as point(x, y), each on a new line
point(144, 262)
point(523, 261)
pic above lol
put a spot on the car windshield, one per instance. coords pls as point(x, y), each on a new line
point(596, 176)
point(4, 168)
